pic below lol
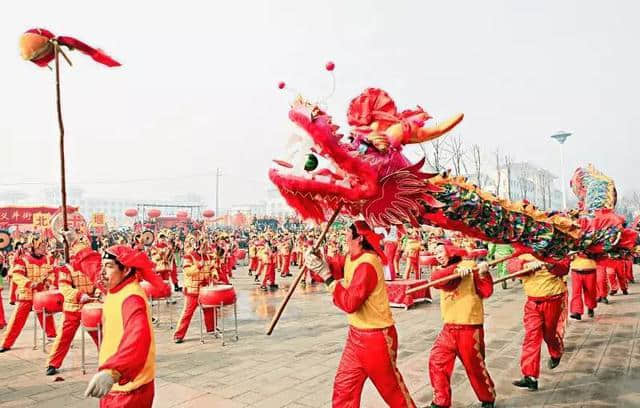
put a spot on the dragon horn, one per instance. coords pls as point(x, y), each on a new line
point(420, 135)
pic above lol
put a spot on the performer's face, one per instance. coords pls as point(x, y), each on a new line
point(111, 273)
point(354, 244)
point(441, 255)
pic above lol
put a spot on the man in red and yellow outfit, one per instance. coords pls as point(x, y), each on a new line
point(411, 248)
point(127, 358)
point(583, 282)
point(462, 309)
point(372, 344)
point(198, 269)
point(31, 273)
point(77, 288)
point(284, 249)
point(545, 292)
point(253, 257)
point(162, 255)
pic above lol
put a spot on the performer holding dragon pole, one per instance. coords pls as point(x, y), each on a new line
point(462, 309)
point(372, 343)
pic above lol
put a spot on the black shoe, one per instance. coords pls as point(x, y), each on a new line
point(488, 405)
point(613, 292)
point(632, 280)
point(176, 288)
point(605, 300)
point(553, 363)
point(250, 274)
point(591, 312)
point(178, 341)
point(527, 382)
point(625, 292)
point(3, 349)
point(599, 300)
point(262, 287)
point(288, 274)
point(273, 286)
point(51, 370)
point(256, 278)
point(576, 316)
point(504, 284)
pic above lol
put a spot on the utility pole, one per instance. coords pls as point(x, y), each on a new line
point(561, 137)
point(218, 175)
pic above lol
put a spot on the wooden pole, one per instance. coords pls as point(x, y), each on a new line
point(298, 278)
point(63, 180)
point(454, 276)
point(516, 274)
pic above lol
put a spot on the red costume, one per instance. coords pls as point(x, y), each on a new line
point(462, 334)
point(583, 283)
point(602, 285)
point(617, 276)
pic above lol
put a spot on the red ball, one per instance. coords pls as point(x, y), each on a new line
point(330, 66)
point(281, 85)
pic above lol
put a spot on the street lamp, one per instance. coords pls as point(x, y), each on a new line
point(561, 137)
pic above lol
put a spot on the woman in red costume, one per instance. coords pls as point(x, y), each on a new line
point(127, 362)
point(461, 306)
point(372, 344)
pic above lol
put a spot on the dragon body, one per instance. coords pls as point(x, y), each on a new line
point(366, 174)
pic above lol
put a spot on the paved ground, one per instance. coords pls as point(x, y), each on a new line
point(295, 366)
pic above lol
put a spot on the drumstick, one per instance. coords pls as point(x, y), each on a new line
point(293, 286)
point(454, 276)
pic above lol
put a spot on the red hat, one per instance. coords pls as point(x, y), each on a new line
point(371, 237)
point(139, 261)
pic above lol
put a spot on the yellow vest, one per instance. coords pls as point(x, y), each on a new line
point(112, 330)
point(375, 312)
point(462, 305)
point(541, 283)
point(582, 264)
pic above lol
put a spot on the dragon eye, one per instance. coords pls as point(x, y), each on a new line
point(362, 148)
point(312, 162)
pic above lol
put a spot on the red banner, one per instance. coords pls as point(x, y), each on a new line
point(28, 215)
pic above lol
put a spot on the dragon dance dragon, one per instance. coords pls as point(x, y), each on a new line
point(366, 174)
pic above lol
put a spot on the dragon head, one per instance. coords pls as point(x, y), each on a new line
point(366, 171)
point(594, 189)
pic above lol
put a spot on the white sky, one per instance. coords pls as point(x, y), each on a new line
point(197, 89)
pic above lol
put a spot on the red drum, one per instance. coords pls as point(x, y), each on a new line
point(156, 293)
point(50, 300)
point(91, 315)
point(217, 294)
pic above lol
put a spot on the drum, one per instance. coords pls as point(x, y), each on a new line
point(50, 300)
point(156, 293)
point(217, 294)
point(91, 315)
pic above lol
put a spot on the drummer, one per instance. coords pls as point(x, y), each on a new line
point(198, 269)
point(75, 281)
point(31, 273)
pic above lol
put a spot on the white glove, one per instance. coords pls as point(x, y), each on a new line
point(462, 272)
point(535, 265)
point(84, 298)
point(483, 268)
point(317, 265)
point(99, 385)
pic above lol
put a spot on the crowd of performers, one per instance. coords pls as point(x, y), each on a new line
point(353, 263)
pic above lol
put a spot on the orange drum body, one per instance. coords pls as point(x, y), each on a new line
point(50, 300)
point(154, 293)
point(91, 315)
point(216, 295)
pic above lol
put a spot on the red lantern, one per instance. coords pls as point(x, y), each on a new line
point(238, 220)
point(330, 66)
point(131, 212)
point(281, 85)
point(153, 213)
point(208, 213)
point(182, 215)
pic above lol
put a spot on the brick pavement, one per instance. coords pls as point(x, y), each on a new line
point(295, 366)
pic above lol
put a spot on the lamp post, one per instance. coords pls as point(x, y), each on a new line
point(561, 137)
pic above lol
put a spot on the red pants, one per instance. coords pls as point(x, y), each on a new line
point(141, 397)
point(167, 274)
point(285, 264)
point(253, 264)
point(61, 346)
point(413, 266)
point(541, 323)
point(467, 343)
point(3, 322)
point(583, 283)
point(294, 258)
point(617, 277)
point(190, 305)
point(390, 249)
point(628, 269)
point(18, 320)
point(270, 274)
point(602, 286)
point(370, 354)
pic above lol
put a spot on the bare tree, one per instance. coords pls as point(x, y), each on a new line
point(498, 172)
point(508, 164)
point(436, 159)
point(477, 164)
point(524, 182)
point(455, 149)
point(543, 188)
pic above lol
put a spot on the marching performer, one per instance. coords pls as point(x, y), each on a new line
point(31, 273)
point(602, 284)
point(77, 288)
point(412, 251)
point(198, 271)
point(128, 353)
point(390, 249)
point(462, 309)
point(545, 292)
point(253, 256)
point(583, 283)
point(284, 250)
point(162, 255)
point(372, 344)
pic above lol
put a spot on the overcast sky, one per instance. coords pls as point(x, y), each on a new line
point(197, 89)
